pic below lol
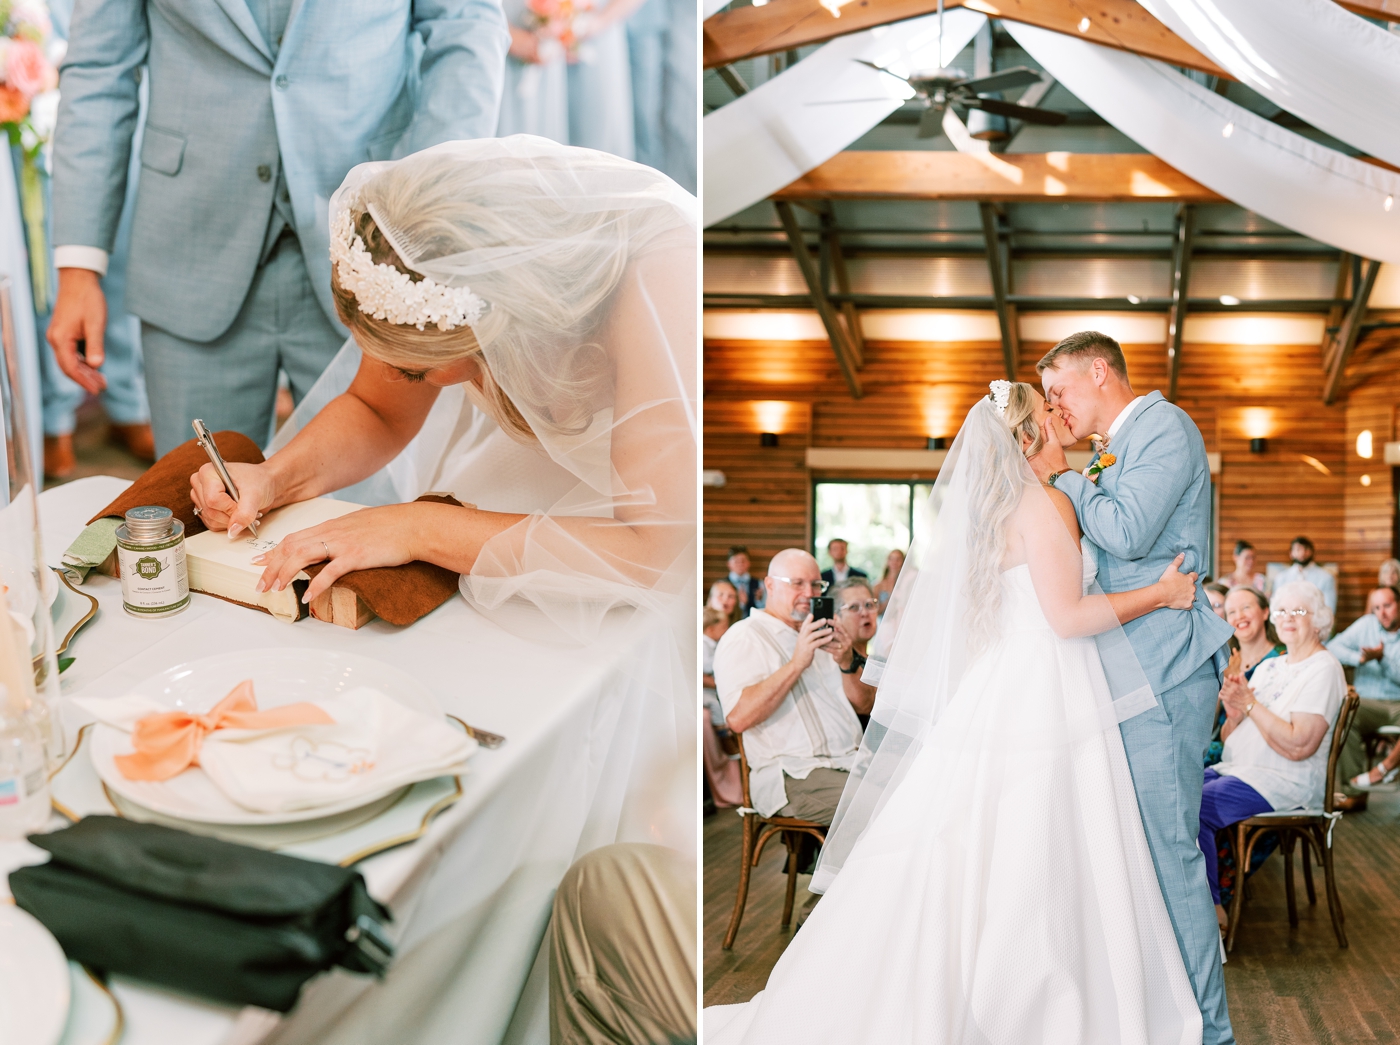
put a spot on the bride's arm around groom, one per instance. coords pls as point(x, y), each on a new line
point(1151, 502)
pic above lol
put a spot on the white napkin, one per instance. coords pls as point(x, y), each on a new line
point(376, 745)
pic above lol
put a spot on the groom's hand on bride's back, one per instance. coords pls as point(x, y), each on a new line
point(1178, 589)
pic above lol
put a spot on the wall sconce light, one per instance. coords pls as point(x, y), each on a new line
point(1365, 480)
point(937, 442)
point(768, 439)
point(1258, 445)
point(1364, 446)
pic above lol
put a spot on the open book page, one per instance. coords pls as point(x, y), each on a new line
point(222, 567)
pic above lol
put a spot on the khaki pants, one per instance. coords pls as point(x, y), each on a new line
point(816, 797)
point(623, 949)
point(1370, 716)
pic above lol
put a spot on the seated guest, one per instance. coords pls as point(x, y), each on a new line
point(1371, 646)
point(1304, 569)
point(622, 948)
point(1244, 575)
point(1247, 611)
point(721, 771)
point(1389, 575)
point(725, 598)
point(884, 587)
point(840, 570)
point(857, 617)
point(1215, 593)
point(1278, 727)
point(782, 689)
point(750, 588)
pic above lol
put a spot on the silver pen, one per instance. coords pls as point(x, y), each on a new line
point(205, 439)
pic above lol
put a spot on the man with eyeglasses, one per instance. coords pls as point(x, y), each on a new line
point(780, 685)
point(1372, 646)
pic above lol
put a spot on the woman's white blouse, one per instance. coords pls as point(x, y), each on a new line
point(1316, 686)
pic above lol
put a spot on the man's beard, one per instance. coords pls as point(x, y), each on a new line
point(1301, 562)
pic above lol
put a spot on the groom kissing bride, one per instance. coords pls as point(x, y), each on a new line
point(1014, 858)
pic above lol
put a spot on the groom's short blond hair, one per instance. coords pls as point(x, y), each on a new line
point(1084, 347)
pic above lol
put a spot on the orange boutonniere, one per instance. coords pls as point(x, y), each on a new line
point(1104, 461)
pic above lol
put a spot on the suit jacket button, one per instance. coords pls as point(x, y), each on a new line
point(264, 172)
point(281, 82)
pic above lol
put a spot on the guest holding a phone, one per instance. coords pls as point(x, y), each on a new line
point(857, 615)
point(778, 682)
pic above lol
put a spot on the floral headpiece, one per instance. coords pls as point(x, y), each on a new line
point(1001, 396)
point(386, 293)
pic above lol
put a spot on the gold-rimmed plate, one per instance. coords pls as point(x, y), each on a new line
point(95, 1015)
point(72, 609)
point(78, 791)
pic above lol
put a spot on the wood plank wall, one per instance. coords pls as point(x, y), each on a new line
point(914, 390)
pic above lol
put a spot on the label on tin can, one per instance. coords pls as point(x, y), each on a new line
point(154, 580)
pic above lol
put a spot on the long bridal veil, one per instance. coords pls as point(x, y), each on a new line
point(587, 264)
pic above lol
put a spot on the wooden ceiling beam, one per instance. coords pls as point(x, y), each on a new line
point(1387, 9)
point(985, 177)
point(1181, 281)
point(1345, 340)
point(783, 25)
point(998, 268)
point(831, 320)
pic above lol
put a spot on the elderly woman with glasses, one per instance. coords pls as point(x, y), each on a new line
point(857, 617)
point(1277, 728)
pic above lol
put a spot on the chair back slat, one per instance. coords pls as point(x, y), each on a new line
point(743, 770)
point(1339, 737)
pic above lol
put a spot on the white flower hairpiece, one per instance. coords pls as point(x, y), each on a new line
point(1001, 396)
point(386, 293)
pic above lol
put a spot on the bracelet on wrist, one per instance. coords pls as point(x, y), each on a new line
point(857, 662)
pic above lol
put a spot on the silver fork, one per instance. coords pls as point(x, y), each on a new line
point(483, 737)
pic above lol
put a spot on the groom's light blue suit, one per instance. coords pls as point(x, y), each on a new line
point(1148, 507)
point(258, 109)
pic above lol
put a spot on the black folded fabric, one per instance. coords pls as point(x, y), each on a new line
point(223, 921)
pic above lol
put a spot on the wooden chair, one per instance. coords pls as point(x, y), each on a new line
point(757, 830)
point(1311, 826)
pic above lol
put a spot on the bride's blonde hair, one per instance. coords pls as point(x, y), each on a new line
point(543, 314)
point(998, 489)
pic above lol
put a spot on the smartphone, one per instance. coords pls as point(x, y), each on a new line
point(823, 607)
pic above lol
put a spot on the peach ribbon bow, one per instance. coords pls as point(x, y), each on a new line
point(168, 743)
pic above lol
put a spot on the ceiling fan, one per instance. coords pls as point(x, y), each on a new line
point(937, 89)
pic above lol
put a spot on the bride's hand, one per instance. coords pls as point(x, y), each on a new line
point(359, 541)
point(256, 494)
point(1178, 589)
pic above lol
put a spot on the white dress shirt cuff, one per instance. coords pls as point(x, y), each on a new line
point(94, 258)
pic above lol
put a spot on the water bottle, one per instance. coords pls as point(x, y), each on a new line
point(24, 778)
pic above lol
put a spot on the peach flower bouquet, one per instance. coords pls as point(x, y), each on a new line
point(29, 54)
point(564, 23)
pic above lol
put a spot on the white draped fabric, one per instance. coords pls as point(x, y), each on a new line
point(14, 265)
point(783, 128)
point(1256, 163)
point(1314, 58)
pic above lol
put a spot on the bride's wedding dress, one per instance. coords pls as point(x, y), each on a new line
point(1005, 894)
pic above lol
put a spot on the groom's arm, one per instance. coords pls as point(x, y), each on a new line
point(462, 71)
point(1128, 523)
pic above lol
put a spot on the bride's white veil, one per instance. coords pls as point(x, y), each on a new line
point(587, 265)
point(942, 626)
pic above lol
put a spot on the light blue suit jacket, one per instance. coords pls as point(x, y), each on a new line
point(346, 85)
point(1148, 507)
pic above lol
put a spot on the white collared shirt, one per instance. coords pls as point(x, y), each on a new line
point(814, 727)
point(1122, 418)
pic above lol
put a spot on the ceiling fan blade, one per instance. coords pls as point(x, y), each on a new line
point(852, 101)
point(931, 122)
point(1005, 80)
point(880, 69)
point(1046, 117)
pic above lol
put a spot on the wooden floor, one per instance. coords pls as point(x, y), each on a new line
point(1284, 986)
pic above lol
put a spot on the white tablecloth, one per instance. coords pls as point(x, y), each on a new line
point(589, 760)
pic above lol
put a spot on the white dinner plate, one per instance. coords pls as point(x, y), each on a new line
point(34, 984)
point(280, 676)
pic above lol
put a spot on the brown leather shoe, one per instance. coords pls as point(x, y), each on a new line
point(137, 440)
point(59, 459)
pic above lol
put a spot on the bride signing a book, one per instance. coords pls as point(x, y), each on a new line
point(524, 329)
